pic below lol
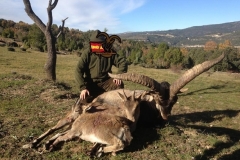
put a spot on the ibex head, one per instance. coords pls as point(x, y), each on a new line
point(165, 95)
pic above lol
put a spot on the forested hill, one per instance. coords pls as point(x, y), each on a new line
point(168, 51)
point(197, 35)
point(189, 37)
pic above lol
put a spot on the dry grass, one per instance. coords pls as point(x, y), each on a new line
point(204, 122)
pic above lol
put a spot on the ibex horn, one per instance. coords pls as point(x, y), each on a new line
point(193, 73)
point(113, 37)
point(103, 34)
point(140, 79)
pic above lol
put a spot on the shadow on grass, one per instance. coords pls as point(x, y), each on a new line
point(142, 137)
point(208, 117)
point(216, 87)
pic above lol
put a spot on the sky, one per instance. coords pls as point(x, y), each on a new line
point(119, 16)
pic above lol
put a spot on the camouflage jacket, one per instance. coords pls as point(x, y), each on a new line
point(94, 68)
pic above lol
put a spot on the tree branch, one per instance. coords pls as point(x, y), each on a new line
point(53, 5)
point(61, 30)
point(49, 10)
point(33, 16)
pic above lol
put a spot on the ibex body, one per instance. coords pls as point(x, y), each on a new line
point(104, 127)
point(125, 104)
point(99, 127)
point(119, 119)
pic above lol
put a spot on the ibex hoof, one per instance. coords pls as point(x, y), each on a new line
point(47, 145)
point(99, 151)
point(113, 153)
point(27, 146)
point(51, 148)
point(30, 145)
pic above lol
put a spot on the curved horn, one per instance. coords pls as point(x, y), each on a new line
point(113, 37)
point(140, 79)
point(103, 34)
point(193, 73)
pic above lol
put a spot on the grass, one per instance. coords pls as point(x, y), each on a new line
point(204, 122)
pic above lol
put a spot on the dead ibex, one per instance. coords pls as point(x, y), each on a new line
point(164, 95)
point(114, 131)
point(121, 119)
point(103, 127)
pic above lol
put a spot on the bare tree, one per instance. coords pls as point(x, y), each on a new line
point(50, 65)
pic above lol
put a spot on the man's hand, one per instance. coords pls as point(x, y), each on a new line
point(84, 94)
point(118, 82)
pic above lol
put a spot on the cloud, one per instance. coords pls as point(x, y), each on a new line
point(130, 5)
point(86, 15)
point(83, 14)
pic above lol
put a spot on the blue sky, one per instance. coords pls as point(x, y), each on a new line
point(120, 16)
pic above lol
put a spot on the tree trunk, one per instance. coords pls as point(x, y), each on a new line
point(50, 66)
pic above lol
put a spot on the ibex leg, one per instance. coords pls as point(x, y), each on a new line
point(51, 140)
point(66, 137)
point(118, 146)
point(69, 119)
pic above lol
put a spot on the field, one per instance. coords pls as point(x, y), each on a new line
point(204, 122)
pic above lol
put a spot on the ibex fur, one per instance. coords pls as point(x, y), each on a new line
point(104, 127)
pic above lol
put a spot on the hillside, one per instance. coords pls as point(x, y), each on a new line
point(197, 35)
point(192, 36)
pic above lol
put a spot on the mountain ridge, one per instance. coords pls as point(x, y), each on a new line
point(195, 35)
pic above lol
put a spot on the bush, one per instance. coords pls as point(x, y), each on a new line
point(11, 49)
point(2, 45)
point(176, 68)
point(12, 44)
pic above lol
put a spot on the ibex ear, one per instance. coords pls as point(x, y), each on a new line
point(86, 108)
point(148, 98)
point(182, 90)
point(143, 94)
point(76, 105)
point(122, 96)
point(133, 96)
